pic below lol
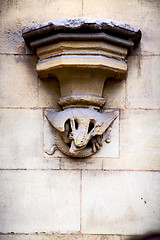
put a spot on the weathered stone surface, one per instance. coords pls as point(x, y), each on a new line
point(87, 163)
point(59, 237)
point(80, 132)
point(114, 202)
point(81, 86)
point(82, 46)
point(84, 125)
point(80, 129)
point(40, 201)
point(143, 14)
point(51, 66)
point(120, 202)
point(48, 93)
point(85, 24)
point(114, 94)
point(17, 15)
point(139, 141)
point(143, 82)
point(21, 140)
point(18, 81)
point(109, 30)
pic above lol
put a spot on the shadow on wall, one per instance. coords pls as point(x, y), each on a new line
point(149, 236)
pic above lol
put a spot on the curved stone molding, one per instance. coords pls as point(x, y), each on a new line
point(82, 53)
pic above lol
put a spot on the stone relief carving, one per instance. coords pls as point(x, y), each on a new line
point(80, 129)
point(82, 53)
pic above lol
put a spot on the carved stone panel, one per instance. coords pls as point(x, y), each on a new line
point(109, 148)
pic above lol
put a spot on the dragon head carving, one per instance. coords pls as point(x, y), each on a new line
point(79, 125)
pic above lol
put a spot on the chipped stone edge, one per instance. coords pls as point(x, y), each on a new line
point(76, 23)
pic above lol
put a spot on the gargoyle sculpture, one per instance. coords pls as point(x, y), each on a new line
point(80, 128)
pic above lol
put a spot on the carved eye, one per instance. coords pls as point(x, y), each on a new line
point(68, 128)
point(91, 126)
point(76, 123)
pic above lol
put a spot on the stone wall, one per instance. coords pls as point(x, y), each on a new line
point(109, 196)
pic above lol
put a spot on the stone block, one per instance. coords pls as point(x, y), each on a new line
point(21, 140)
point(143, 82)
point(118, 202)
point(141, 14)
point(139, 141)
point(17, 15)
point(58, 237)
point(40, 201)
point(18, 82)
point(108, 150)
point(48, 93)
point(89, 163)
point(114, 94)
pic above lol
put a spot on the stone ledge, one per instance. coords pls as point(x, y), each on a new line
point(125, 31)
point(58, 237)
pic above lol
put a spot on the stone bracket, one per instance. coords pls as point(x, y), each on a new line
point(82, 53)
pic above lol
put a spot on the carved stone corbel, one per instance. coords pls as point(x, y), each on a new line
point(82, 53)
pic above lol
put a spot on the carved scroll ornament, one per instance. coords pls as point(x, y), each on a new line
point(82, 54)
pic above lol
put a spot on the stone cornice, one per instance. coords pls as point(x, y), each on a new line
point(110, 29)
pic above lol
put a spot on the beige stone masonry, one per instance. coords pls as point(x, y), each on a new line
point(89, 163)
point(143, 82)
point(139, 141)
point(100, 62)
point(82, 47)
point(114, 94)
point(40, 201)
point(21, 140)
point(18, 81)
point(59, 237)
point(111, 195)
point(117, 202)
point(137, 13)
point(23, 13)
point(48, 93)
point(17, 15)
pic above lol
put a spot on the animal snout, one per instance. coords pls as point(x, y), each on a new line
point(80, 142)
